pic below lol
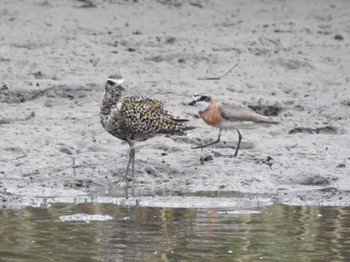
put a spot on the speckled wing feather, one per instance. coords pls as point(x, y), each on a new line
point(143, 117)
point(238, 112)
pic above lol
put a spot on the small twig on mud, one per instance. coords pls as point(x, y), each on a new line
point(290, 147)
point(19, 157)
point(219, 77)
point(87, 4)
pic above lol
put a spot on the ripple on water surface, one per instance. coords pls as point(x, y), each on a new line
point(108, 232)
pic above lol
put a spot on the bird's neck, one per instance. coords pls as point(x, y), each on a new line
point(202, 106)
point(109, 101)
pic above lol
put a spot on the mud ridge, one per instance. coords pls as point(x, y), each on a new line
point(22, 96)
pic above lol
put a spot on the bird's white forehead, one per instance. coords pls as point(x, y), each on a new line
point(118, 81)
point(196, 95)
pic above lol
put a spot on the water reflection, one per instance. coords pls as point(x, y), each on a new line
point(274, 233)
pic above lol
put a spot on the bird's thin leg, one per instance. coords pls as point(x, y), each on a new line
point(127, 167)
point(212, 143)
point(239, 142)
point(131, 159)
point(126, 190)
point(126, 177)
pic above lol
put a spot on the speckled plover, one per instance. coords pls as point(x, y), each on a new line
point(228, 115)
point(135, 118)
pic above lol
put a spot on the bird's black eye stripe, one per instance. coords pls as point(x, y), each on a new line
point(110, 82)
point(205, 98)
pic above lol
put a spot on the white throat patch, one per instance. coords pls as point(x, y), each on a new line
point(202, 105)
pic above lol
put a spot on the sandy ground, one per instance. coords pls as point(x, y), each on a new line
point(293, 64)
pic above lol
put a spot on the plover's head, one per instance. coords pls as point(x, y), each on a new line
point(200, 98)
point(115, 85)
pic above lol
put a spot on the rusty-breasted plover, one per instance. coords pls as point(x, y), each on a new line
point(135, 118)
point(228, 115)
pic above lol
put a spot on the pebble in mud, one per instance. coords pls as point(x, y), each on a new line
point(205, 159)
point(338, 37)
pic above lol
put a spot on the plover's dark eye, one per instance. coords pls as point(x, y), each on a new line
point(205, 98)
point(110, 82)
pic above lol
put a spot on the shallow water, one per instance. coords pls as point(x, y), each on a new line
point(108, 232)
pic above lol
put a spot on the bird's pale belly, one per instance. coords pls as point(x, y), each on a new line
point(239, 125)
point(119, 130)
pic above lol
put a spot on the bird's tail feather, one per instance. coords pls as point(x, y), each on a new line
point(179, 120)
point(169, 126)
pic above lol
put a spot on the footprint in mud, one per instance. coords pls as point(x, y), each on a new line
point(266, 110)
point(291, 64)
point(321, 130)
point(205, 159)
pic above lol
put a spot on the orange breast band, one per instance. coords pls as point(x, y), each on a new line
point(212, 116)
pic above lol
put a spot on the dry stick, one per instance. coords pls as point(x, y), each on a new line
point(219, 77)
